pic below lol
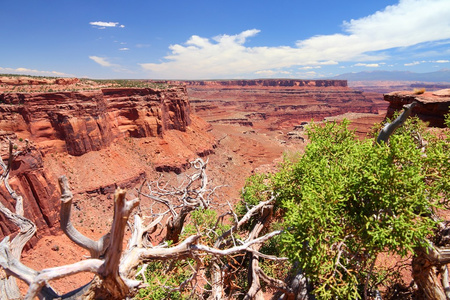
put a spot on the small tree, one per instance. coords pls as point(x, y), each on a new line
point(346, 201)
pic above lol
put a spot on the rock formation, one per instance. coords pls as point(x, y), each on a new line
point(431, 106)
point(278, 103)
point(266, 83)
point(61, 130)
point(22, 80)
point(79, 122)
point(30, 179)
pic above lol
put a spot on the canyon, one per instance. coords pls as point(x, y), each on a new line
point(95, 133)
point(73, 132)
point(283, 104)
point(102, 136)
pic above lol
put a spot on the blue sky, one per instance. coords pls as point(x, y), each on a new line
point(222, 39)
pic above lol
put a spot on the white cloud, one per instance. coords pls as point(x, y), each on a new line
point(105, 62)
point(367, 65)
point(103, 25)
point(414, 63)
point(27, 71)
point(309, 67)
point(273, 73)
point(102, 61)
point(408, 23)
point(124, 49)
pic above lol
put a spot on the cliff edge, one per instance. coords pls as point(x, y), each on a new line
point(79, 122)
point(431, 106)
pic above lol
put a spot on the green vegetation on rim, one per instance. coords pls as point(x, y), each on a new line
point(344, 202)
point(84, 84)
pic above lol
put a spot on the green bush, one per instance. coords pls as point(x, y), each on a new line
point(164, 279)
point(345, 201)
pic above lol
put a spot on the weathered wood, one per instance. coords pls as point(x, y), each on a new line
point(424, 273)
point(116, 269)
point(389, 128)
point(95, 248)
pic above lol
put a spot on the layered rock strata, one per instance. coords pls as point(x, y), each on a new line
point(88, 136)
point(37, 187)
point(23, 80)
point(277, 103)
point(431, 106)
point(79, 122)
point(266, 83)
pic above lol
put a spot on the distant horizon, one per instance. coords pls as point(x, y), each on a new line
point(277, 78)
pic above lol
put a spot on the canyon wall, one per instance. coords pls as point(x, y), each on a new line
point(278, 103)
point(59, 132)
point(265, 83)
point(37, 186)
point(79, 122)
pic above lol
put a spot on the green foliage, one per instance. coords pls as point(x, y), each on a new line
point(345, 201)
point(256, 190)
point(204, 222)
point(130, 83)
point(164, 279)
point(447, 120)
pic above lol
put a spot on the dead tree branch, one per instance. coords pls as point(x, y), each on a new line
point(116, 268)
point(95, 248)
point(389, 128)
point(12, 250)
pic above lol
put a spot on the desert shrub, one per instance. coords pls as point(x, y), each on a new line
point(345, 201)
point(419, 91)
point(164, 280)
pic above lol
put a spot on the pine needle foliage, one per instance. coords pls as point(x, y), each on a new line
point(345, 201)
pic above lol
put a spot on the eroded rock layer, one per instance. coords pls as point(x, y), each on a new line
point(37, 187)
point(278, 103)
point(79, 122)
point(87, 135)
point(431, 107)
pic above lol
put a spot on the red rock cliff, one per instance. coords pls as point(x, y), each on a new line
point(79, 122)
point(37, 186)
point(278, 103)
point(266, 83)
point(431, 106)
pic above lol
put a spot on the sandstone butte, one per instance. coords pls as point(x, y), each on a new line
point(119, 136)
